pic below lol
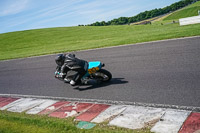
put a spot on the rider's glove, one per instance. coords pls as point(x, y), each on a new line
point(61, 75)
point(57, 73)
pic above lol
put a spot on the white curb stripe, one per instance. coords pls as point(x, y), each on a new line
point(171, 121)
point(41, 107)
point(26, 104)
point(136, 117)
point(113, 110)
point(12, 104)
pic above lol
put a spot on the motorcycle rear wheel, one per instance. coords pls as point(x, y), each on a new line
point(103, 75)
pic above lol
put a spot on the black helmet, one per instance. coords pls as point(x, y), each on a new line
point(71, 55)
point(60, 59)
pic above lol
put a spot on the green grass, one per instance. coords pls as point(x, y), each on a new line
point(188, 11)
point(65, 39)
point(23, 123)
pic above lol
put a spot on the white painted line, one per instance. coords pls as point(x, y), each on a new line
point(42, 106)
point(26, 104)
point(12, 104)
point(123, 45)
point(113, 110)
point(171, 121)
point(140, 43)
point(136, 117)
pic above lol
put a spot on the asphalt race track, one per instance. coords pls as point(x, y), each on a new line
point(166, 72)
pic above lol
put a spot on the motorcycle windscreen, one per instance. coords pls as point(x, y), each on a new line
point(94, 64)
point(94, 67)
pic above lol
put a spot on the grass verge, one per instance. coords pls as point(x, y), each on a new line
point(65, 39)
point(23, 123)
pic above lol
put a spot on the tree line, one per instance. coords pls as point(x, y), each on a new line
point(145, 15)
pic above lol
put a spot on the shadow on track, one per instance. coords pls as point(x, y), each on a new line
point(94, 84)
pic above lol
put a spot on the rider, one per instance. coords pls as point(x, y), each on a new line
point(67, 63)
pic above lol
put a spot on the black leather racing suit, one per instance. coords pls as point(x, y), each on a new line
point(74, 65)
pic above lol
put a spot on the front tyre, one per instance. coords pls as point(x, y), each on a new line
point(103, 75)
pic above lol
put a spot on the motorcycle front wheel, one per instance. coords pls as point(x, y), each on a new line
point(103, 75)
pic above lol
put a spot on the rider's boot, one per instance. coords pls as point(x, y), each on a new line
point(72, 83)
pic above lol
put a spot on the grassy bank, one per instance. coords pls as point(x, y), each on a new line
point(189, 11)
point(23, 123)
point(66, 39)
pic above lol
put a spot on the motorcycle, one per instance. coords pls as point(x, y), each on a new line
point(94, 72)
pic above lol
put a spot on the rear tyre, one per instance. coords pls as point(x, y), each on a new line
point(103, 75)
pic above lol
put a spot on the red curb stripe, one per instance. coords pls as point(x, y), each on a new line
point(92, 112)
point(53, 107)
point(7, 101)
point(3, 99)
point(192, 124)
point(70, 110)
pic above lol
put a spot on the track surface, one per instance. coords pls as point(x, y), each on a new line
point(166, 72)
